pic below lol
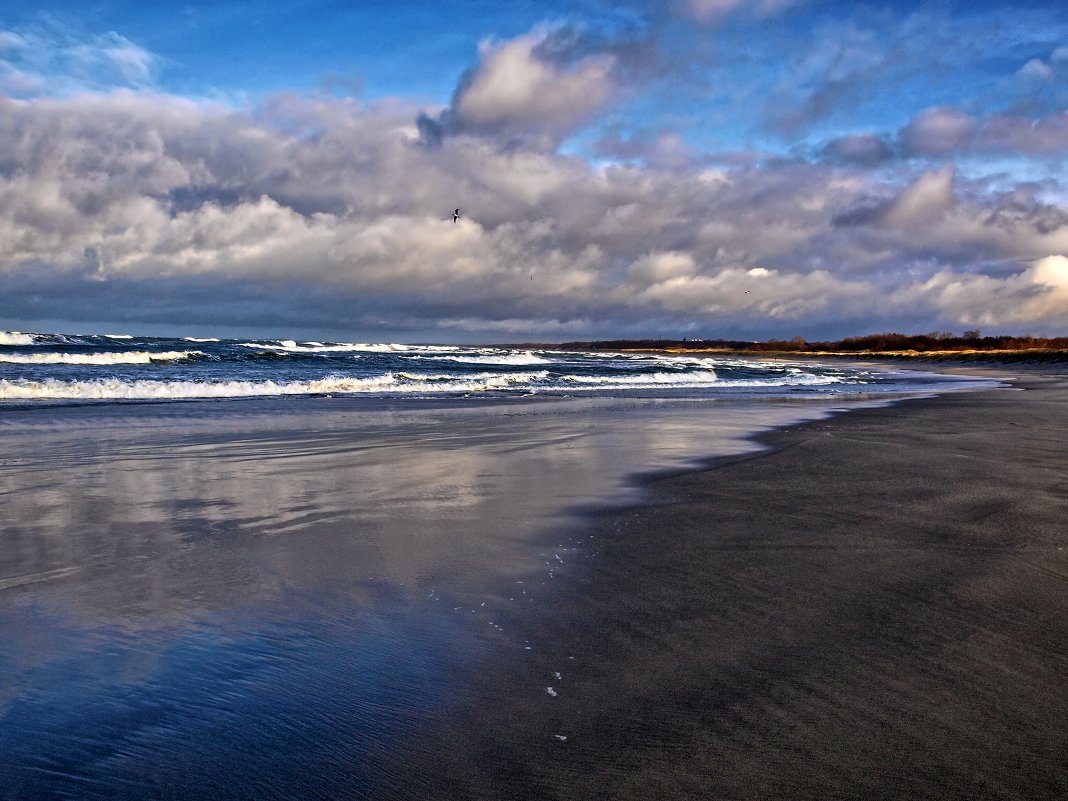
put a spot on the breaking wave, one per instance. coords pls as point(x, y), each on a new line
point(116, 389)
point(292, 346)
point(16, 338)
point(517, 359)
point(703, 378)
point(696, 380)
point(388, 383)
point(128, 357)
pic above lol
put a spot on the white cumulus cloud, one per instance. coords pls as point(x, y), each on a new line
point(518, 90)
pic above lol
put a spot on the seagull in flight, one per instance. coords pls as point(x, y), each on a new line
point(456, 215)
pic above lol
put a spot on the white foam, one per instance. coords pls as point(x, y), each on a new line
point(668, 360)
point(127, 357)
point(200, 339)
point(116, 389)
point(118, 336)
point(515, 359)
point(691, 361)
point(702, 378)
point(696, 380)
point(15, 338)
point(290, 346)
point(438, 352)
point(400, 382)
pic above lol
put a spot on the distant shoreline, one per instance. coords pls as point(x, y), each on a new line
point(996, 356)
point(1005, 350)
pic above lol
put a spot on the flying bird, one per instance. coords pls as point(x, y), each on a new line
point(456, 215)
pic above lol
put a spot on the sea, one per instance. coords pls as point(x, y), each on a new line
point(290, 569)
point(51, 367)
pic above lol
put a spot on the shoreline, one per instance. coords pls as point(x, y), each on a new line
point(872, 605)
point(992, 357)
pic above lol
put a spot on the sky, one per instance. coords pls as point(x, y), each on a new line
point(687, 168)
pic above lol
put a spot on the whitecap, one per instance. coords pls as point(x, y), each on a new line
point(700, 378)
point(16, 338)
point(119, 389)
point(127, 357)
point(514, 359)
point(291, 346)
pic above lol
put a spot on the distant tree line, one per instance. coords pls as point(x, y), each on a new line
point(871, 343)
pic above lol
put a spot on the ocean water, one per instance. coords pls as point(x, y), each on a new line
point(39, 367)
point(277, 569)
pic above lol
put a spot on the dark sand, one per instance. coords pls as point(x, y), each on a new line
point(876, 608)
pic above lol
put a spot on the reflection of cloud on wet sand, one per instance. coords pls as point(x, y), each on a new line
point(154, 525)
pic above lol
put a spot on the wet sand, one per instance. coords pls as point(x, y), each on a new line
point(875, 608)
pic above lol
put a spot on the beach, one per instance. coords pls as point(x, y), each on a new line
point(868, 602)
point(525, 401)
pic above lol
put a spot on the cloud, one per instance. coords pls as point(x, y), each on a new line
point(1037, 295)
point(943, 133)
point(334, 213)
point(793, 74)
point(823, 71)
point(861, 148)
point(922, 201)
point(11, 41)
point(665, 149)
point(132, 63)
point(836, 68)
point(1006, 133)
point(715, 10)
point(1035, 70)
point(57, 61)
point(1051, 272)
point(938, 132)
point(671, 283)
point(658, 268)
point(527, 90)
